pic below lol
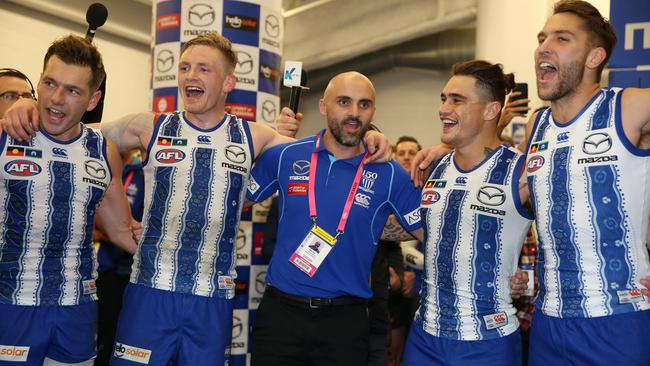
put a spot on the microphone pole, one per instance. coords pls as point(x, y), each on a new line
point(96, 16)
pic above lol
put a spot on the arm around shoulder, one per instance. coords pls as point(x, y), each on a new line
point(130, 132)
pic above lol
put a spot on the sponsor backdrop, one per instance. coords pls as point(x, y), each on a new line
point(630, 61)
point(256, 30)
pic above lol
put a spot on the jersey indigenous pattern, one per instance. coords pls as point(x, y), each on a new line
point(589, 187)
point(49, 191)
point(474, 227)
point(195, 183)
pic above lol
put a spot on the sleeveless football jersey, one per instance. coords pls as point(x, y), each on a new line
point(195, 182)
point(49, 193)
point(589, 186)
point(474, 229)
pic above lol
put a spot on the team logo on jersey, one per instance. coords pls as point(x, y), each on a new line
point(300, 167)
point(436, 183)
point(562, 137)
point(171, 141)
point(253, 186)
point(538, 147)
point(297, 189)
point(95, 169)
point(597, 143)
point(362, 200)
point(368, 181)
point(535, 163)
point(430, 197)
point(225, 282)
point(24, 151)
point(135, 354)
point(235, 153)
point(413, 216)
point(201, 15)
point(204, 140)
point(170, 156)
point(57, 151)
point(13, 353)
point(301, 170)
point(495, 320)
point(22, 168)
point(491, 196)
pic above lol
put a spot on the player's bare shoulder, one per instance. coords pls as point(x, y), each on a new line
point(635, 114)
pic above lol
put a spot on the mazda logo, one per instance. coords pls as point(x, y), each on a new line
point(272, 26)
point(95, 169)
point(241, 239)
point(597, 143)
point(236, 154)
point(164, 61)
point(201, 15)
point(268, 111)
point(301, 167)
point(260, 282)
point(237, 327)
point(244, 63)
point(491, 196)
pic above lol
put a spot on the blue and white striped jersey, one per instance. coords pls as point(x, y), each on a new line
point(49, 192)
point(195, 182)
point(474, 229)
point(589, 187)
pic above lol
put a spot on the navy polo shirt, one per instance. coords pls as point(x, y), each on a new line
point(384, 188)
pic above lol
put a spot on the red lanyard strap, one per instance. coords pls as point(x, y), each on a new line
point(351, 194)
point(128, 179)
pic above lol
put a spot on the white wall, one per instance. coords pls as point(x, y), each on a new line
point(27, 34)
point(407, 104)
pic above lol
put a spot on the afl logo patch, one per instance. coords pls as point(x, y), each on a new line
point(22, 168)
point(535, 163)
point(430, 197)
point(170, 156)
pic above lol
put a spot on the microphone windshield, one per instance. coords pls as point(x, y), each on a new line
point(96, 15)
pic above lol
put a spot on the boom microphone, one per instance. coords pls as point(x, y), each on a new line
point(96, 16)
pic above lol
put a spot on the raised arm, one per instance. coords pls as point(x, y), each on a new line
point(22, 120)
point(114, 215)
point(424, 159)
point(130, 132)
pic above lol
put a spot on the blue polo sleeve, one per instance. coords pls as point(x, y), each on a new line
point(263, 180)
point(405, 199)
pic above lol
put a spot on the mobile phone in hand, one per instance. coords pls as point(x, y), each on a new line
point(523, 89)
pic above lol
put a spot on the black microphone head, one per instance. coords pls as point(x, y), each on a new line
point(96, 15)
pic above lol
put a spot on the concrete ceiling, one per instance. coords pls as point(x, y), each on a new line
point(321, 33)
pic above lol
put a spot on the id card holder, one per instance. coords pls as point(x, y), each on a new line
point(313, 250)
